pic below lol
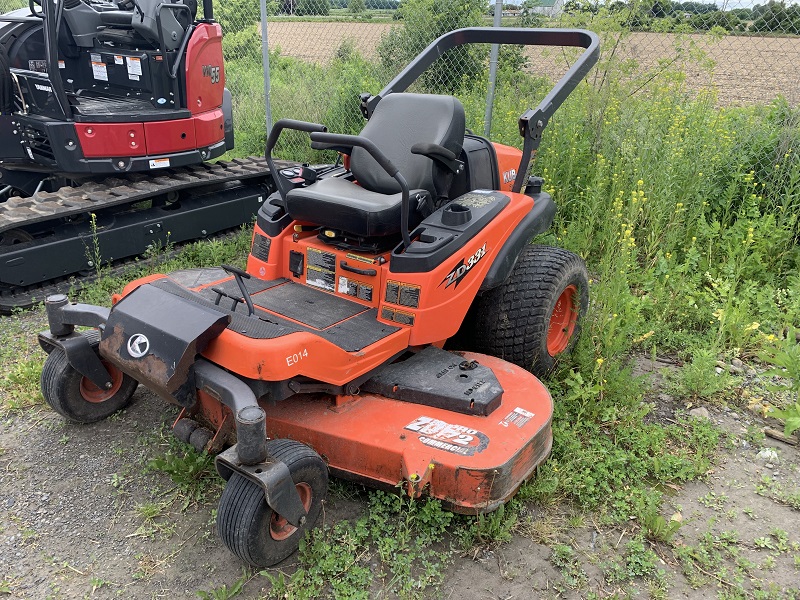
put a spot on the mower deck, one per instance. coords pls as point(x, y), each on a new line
point(472, 463)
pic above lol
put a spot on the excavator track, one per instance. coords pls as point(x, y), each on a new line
point(14, 299)
point(90, 196)
point(94, 195)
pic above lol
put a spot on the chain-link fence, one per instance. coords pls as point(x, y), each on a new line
point(323, 53)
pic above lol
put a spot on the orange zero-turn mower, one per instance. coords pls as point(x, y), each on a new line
point(326, 354)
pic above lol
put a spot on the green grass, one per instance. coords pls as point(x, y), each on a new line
point(399, 546)
point(192, 473)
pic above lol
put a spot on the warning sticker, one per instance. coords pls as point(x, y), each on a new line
point(133, 77)
point(117, 59)
point(363, 259)
point(456, 439)
point(99, 71)
point(62, 64)
point(403, 317)
point(321, 269)
point(261, 246)
point(518, 416)
point(392, 291)
point(320, 278)
point(364, 292)
point(344, 284)
point(409, 295)
point(402, 293)
point(321, 260)
point(95, 58)
point(159, 163)
point(134, 65)
point(40, 66)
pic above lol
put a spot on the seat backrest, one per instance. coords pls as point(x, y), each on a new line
point(400, 121)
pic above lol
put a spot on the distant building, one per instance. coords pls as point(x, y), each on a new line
point(550, 8)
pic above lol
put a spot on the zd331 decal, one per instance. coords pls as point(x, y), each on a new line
point(463, 267)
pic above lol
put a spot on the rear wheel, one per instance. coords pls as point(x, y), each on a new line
point(250, 528)
point(75, 397)
point(535, 316)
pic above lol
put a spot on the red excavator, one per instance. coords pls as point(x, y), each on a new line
point(109, 112)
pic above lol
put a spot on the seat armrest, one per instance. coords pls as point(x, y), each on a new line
point(348, 150)
point(440, 154)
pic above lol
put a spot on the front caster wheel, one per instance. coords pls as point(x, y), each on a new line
point(75, 397)
point(250, 528)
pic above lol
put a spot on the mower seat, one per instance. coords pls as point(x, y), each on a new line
point(372, 207)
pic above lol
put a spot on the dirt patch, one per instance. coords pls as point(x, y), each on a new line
point(746, 70)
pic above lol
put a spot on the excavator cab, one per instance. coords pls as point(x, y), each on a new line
point(109, 114)
point(110, 88)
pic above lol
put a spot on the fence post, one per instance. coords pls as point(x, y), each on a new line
point(487, 117)
point(265, 64)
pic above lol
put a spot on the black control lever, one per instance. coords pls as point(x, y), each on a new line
point(239, 276)
point(221, 294)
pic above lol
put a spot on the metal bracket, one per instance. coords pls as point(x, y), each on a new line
point(63, 315)
point(81, 356)
point(274, 478)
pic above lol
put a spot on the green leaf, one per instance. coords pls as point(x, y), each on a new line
point(790, 416)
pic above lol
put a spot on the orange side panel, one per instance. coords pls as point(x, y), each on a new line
point(473, 463)
point(300, 354)
point(507, 163)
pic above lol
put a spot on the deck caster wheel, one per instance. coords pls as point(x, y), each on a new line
point(250, 528)
point(75, 397)
point(535, 316)
point(184, 429)
point(200, 437)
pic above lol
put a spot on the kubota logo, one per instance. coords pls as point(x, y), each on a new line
point(138, 345)
point(463, 267)
point(509, 176)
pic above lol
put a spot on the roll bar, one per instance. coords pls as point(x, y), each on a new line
point(533, 121)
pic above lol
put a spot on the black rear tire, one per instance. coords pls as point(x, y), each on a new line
point(76, 398)
point(250, 528)
point(535, 316)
